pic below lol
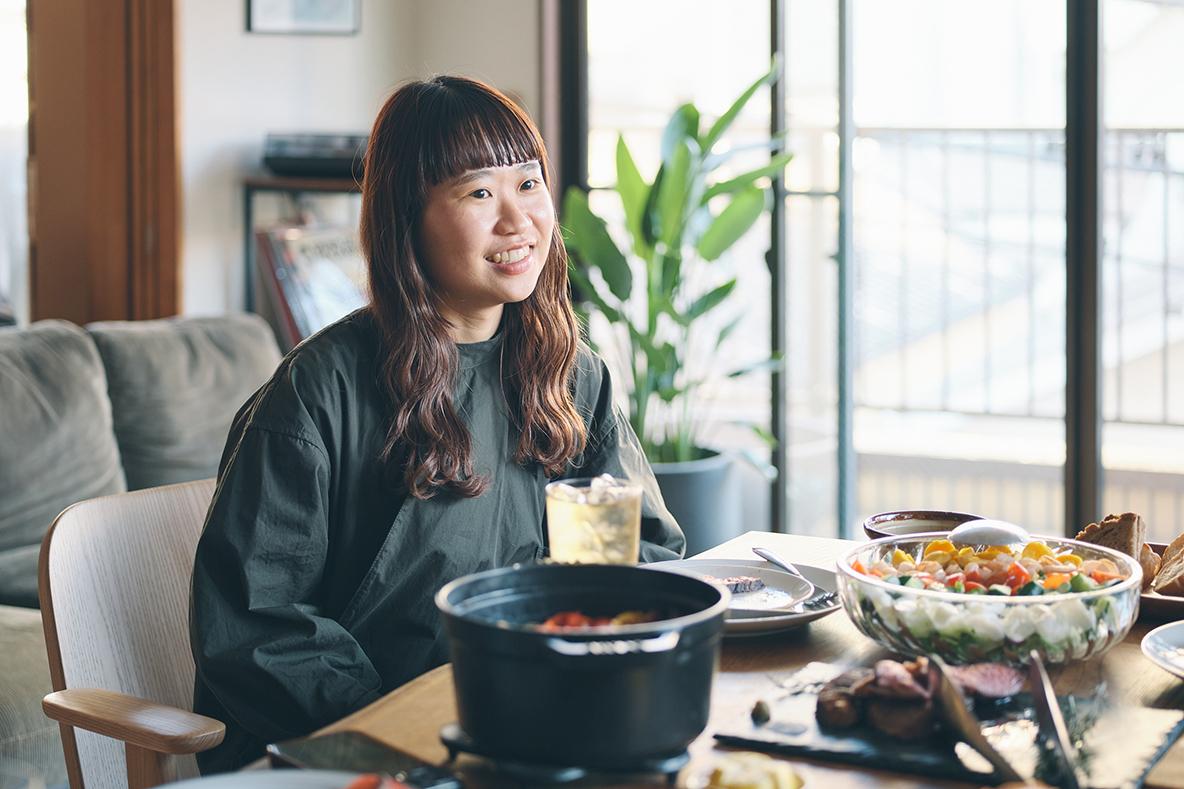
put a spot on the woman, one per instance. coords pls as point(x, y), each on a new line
point(409, 443)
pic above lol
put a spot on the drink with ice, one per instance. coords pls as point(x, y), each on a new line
point(594, 521)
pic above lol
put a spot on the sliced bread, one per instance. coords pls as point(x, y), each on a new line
point(1174, 547)
point(1151, 564)
point(1170, 580)
point(1125, 532)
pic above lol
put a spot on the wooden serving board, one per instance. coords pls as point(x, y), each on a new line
point(1117, 745)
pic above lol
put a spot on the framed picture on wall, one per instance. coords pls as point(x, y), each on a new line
point(316, 17)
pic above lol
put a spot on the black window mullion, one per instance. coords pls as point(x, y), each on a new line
point(779, 275)
point(573, 106)
point(1083, 250)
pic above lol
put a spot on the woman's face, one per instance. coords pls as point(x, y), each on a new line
point(484, 237)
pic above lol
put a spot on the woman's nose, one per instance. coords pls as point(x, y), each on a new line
point(512, 218)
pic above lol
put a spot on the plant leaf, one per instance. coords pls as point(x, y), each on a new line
point(634, 193)
point(764, 435)
point(724, 121)
point(727, 330)
point(709, 300)
point(671, 269)
point(772, 363)
point(649, 224)
point(773, 145)
point(682, 126)
point(663, 367)
point(589, 293)
point(774, 168)
point(732, 223)
point(672, 195)
point(588, 235)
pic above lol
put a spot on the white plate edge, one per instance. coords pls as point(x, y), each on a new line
point(1154, 657)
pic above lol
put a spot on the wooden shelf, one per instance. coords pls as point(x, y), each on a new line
point(264, 182)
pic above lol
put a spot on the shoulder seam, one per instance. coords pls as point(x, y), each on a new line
point(292, 434)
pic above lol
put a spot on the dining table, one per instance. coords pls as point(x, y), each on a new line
point(410, 717)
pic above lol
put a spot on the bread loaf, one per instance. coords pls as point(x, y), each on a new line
point(1170, 580)
point(1151, 563)
point(1125, 532)
point(1174, 547)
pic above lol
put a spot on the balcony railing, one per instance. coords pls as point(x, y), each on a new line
point(959, 243)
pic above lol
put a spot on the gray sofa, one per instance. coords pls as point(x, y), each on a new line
point(89, 412)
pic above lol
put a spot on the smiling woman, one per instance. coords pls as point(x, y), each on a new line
point(479, 235)
point(410, 443)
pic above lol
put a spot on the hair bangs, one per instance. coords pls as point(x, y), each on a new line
point(474, 132)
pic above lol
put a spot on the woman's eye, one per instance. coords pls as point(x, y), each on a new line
point(481, 194)
point(529, 184)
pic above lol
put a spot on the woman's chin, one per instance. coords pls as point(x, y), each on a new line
point(518, 288)
point(515, 295)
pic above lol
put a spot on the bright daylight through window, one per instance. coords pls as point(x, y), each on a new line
point(14, 118)
point(957, 235)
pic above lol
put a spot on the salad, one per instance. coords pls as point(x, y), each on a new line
point(922, 594)
point(1035, 569)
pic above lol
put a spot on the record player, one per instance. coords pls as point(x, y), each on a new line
point(315, 155)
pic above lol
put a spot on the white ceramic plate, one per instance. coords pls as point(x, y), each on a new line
point(1165, 647)
point(761, 624)
point(271, 779)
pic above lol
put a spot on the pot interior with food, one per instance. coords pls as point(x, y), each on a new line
point(589, 665)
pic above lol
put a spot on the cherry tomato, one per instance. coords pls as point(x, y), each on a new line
point(1017, 576)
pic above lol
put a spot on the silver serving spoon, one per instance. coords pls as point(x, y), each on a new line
point(988, 532)
point(769, 556)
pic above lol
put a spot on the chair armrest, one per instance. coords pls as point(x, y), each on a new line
point(139, 722)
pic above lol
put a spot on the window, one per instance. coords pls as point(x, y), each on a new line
point(638, 73)
point(1143, 268)
point(943, 215)
point(14, 131)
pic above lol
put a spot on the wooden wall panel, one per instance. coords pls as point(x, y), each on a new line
point(103, 160)
point(155, 203)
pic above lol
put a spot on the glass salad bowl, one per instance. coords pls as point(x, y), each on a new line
point(1066, 599)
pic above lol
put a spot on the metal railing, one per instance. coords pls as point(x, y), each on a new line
point(975, 248)
point(1025, 493)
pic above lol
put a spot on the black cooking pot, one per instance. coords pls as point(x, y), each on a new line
point(603, 697)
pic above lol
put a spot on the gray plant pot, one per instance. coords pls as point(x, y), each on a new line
point(704, 497)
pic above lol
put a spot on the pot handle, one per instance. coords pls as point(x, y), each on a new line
point(662, 643)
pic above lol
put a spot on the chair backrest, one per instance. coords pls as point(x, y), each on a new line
point(114, 582)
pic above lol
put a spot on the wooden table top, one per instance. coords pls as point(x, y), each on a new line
point(410, 717)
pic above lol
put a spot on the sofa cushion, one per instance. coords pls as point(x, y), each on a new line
point(175, 386)
point(18, 575)
point(30, 745)
point(56, 442)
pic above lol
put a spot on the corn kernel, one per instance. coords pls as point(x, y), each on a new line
point(940, 545)
point(1035, 550)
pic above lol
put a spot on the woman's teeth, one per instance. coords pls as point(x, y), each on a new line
point(512, 256)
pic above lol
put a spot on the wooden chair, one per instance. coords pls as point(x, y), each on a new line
point(114, 585)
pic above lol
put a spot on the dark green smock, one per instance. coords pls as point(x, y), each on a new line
point(314, 576)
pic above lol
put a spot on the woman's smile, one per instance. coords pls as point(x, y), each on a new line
point(517, 260)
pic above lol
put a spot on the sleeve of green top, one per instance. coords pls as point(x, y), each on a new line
point(260, 643)
point(613, 448)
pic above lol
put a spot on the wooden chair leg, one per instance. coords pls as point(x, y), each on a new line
point(143, 767)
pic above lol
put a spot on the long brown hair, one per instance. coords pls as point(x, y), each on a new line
point(427, 133)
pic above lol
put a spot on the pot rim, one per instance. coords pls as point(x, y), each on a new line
point(449, 609)
point(717, 459)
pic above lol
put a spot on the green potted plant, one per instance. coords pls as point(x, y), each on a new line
point(660, 289)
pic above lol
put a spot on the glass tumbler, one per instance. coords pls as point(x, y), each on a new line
point(595, 520)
